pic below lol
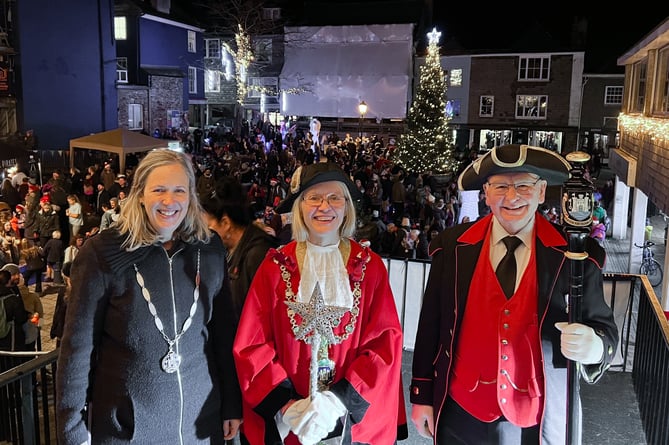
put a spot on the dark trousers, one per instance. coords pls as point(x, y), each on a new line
point(458, 427)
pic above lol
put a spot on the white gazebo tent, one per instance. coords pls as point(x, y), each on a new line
point(120, 141)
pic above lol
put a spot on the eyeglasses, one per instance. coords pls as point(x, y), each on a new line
point(523, 188)
point(332, 200)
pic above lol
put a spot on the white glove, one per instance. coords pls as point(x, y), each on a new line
point(312, 419)
point(580, 343)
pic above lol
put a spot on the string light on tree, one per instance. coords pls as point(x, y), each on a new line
point(427, 143)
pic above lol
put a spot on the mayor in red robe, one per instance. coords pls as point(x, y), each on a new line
point(359, 360)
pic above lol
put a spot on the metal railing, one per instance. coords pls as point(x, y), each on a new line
point(27, 391)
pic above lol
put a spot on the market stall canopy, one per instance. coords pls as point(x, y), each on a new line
point(330, 69)
point(120, 141)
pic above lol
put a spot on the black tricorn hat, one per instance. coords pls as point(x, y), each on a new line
point(547, 164)
point(312, 174)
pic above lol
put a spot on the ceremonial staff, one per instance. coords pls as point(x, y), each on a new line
point(577, 204)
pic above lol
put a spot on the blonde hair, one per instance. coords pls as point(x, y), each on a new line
point(347, 228)
point(133, 219)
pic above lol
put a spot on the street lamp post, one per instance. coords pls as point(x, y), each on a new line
point(362, 108)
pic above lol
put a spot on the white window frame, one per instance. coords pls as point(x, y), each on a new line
point(192, 46)
point(455, 77)
point(613, 95)
point(122, 70)
point(135, 117)
point(533, 68)
point(120, 27)
point(266, 83)
point(192, 80)
point(212, 81)
point(212, 48)
point(486, 109)
point(531, 106)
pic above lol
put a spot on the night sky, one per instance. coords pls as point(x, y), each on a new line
point(609, 34)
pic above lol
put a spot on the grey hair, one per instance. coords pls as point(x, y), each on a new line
point(347, 228)
point(133, 219)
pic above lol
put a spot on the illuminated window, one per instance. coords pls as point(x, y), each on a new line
point(135, 120)
point(452, 108)
point(122, 69)
point(531, 107)
point(212, 81)
point(455, 78)
point(613, 95)
point(192, 80)
point(120, 28)
point(212, 48)
point(534, 68)
point(487, 106)
point(191, 42)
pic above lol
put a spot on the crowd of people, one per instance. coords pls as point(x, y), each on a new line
point(148, 311)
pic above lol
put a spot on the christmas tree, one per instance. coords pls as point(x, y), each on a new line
point(427, 143)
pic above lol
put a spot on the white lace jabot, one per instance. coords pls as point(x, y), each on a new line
point(324, 264)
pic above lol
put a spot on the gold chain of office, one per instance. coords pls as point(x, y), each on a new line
point(355, 309)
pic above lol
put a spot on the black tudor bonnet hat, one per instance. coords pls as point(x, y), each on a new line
point(547, 164)
point(312, 174)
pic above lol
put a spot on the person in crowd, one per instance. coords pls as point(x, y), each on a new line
point(598, 231)
point(102, 197)
point(9, 193)
point(75, 214)
point(149, 328)
point(72, 250)
point(111, 213)
point(54, 250)
point(33, 256)
point(31, 304)
point(121, 184)
point(12, 335)
point(491, 353)
point(58, 317)
point(47, 221)
point(206, 183)
point(319, 345)
point(107, 176)
point(227, 212)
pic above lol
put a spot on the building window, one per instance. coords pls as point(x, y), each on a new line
point(271, 14)
point(212, 81)
point(263, 51)
point(263, 85)
point(191, 42)
point(455, 78)
point(531, 107)
point(487, 106)
point(212, 48)
point(613, 95)
point(662, 95)
point(122, 69)
point(452, 108)
point(639, 85)
point(135, 117)
point(192, 80)
point(534, 68)
point(120, 28)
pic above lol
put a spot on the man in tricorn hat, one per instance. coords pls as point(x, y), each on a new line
point(491, 352)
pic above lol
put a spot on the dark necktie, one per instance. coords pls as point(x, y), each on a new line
point(506, 269)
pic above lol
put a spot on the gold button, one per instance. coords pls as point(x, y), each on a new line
point(505, 341)
point(507, 312)
point(505, 325)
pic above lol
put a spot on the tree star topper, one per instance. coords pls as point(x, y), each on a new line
point(317, 317)
point(434, 36)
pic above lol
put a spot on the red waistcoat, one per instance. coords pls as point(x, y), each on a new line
point(498, 367)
